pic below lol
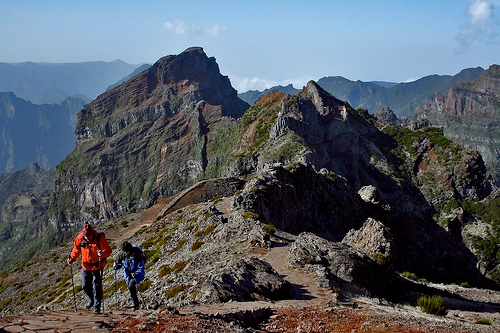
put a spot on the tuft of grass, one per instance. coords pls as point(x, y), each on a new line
point(209, 229)
point(381, 258)
point(179, 246)
point(483, 321)
point(250, 215)
point(174, 291)
point(164, 270)
point(144, 285)
point(310, 261)
point(196, 245)
point(432, 305)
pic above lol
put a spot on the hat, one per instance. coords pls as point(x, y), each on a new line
point(127, 247)
point(87, 228)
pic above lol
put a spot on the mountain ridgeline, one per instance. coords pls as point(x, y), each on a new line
point(468, 114)
point(180, 121)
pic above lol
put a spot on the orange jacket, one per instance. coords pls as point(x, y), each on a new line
point(88, 247)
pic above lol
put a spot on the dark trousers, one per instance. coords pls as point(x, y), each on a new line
point(133, 292)
point(92, 286)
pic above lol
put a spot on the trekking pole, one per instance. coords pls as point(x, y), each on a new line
point(116, 296)
point(72, 282)
point(140, 295)
point(102, 286)
point(101, 271)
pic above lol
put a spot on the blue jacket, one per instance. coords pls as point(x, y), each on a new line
point(132, 264)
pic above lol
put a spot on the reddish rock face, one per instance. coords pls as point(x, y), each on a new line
point(475, 98)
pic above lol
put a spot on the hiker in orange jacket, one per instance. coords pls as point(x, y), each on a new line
point(95, 250)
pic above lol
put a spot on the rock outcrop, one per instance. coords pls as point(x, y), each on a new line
point(298, 199)
point(347, 270)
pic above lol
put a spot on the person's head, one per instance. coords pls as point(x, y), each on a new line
point(87, 229)
point(127, 248)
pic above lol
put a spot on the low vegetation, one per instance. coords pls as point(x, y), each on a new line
point(432, 305)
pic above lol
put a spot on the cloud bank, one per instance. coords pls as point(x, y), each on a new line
point(480, 26)
point(181, 29)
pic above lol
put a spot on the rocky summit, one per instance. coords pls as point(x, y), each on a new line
point(299, 201)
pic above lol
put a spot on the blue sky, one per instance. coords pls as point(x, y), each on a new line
point(262, 43)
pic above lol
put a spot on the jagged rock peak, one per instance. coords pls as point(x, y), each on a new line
point(386, 116)
point(489, 81)
point(325, 103)
point(189, 80)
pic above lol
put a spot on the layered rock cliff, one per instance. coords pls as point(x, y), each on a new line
point(151, 136)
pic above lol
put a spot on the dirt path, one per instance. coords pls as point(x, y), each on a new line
point(304, 291)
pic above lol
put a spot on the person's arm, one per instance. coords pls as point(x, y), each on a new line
point(105, 248)
point(76, 251)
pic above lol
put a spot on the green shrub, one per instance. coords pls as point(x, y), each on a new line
point(409, 275)
point(465, 284)
point(381, 258)
point(269, 228)
point(432, 305)
point(124, 223)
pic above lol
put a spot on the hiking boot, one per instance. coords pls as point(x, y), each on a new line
point(136, 307)
point(90, 304)
point(97, 311)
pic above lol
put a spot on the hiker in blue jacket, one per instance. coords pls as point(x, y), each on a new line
point(132, 260)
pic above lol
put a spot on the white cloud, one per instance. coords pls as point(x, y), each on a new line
point(480, 25)
point(181, 29)
point(244, 84)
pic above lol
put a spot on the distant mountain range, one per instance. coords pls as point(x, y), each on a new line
point(401, 98)
point(51, 83)
point(44, 134)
